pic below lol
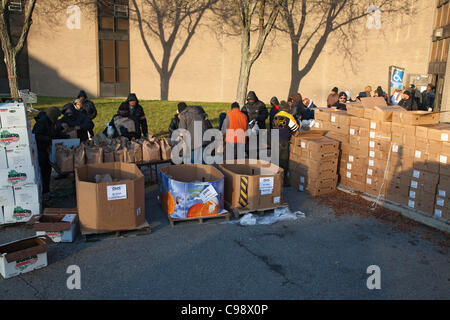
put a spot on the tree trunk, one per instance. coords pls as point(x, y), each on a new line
point(246, 65)
point(164, 82)
point(295, 73)
point(11, 67)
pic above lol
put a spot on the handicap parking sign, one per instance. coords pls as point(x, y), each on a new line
point(397, 79)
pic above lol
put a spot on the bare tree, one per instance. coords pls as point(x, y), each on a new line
point(311, 23)
point(246, 18)
point(11, 49)
point(169, 21)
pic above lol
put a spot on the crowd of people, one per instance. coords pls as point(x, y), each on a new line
point(297, 113)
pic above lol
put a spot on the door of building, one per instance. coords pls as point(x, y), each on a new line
point(113, 22)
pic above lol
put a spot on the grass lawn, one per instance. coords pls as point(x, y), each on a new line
point(159, 113)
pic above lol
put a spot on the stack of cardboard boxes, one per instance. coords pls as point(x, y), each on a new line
point(19, 171)
point(388, 152)
point(313, 163)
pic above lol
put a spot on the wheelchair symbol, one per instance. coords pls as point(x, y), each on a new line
point(397, 77)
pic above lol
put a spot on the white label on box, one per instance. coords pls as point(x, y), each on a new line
point(414, 184)
point(301, 188)
point(440, 202)
point(412, 194)
point(138, 212)
point(443, 159)
point(373, 125)
point(438, 213)
point(372, 134)
point(303, 145)
point(442, 193)
point(69, 218)
point(276, 199)
point(395, 148)
point(208, 194)
point(372, 144)
point(411, 204)
point(317, 125)
point(333, 119)
point(349, 166)
point(370, 172)
point(302, 179)
point(418, 154)
point(266, 183)
point(349, 175)
point(371, 163)
point(372, 154)
point(266, 191)
point(369, 181)
point(350, 158)
point(444, 136)
point(352, 131)
point(117, 192)
point(416, 174)
point(13, 115)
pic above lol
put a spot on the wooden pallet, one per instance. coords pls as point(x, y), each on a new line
point(90, 235)
point(172, 221)
point(238, 212)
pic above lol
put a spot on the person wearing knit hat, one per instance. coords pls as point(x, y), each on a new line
point(274, 110)
point(342, 101)
point(310, 106)
point(175, 122)
point(87, 107)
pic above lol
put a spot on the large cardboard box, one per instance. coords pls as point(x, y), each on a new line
point(15, 137)
point(3, 159)
point(360, 122)
point(300, 169)
point(26, 194)
point(6, 196)
point(439, 132)
point(303, 182)
point(355, 109)
point(416, 118)
point(118, 205)
point(17, 176)
point(13, 115)
point(58, 227)
point(340, 118)
point(23, 256)
point(318, 164)
point(252, 185)
point(23, 213)
point(385, 113)
point(20, 157)
point(359, 131)
point(372, 102)
point(2, 219)
point(317, 144)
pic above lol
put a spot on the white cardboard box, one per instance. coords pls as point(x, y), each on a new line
point(13, 115)
point(19, 157)
point(68, 143)
point(15, 137)
point(3, 160)
point(59, 228)
point(2, 220)
point(6, 197)
point(17, 176)
point(26, 194)
point(22, 256)
point(16, 214)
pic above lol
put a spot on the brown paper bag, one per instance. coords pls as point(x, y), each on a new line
point(119, 153)
point(94, 154)
point(64, 158)
point(128, 154)
point(108, 155)
point(79, 156)
point(150, 151)
point(166, 150)
point(137, 151)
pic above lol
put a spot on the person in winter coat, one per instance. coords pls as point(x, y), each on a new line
point(333, 97)
point(234, 129)
point(137, 112)
point(380, 93)
point(408, 102)
point(188, 118)
point(255, 110)
point(341, 103)
point(297, 108)
point(175, 122)
point(310, 106)
point(428, 98)
point(75, 120)
point(87, 107)
point(45, 130)
point(125, 124)
point(285, 122)
point(416, 96)
point(274, 110)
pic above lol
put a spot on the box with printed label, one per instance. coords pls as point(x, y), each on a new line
point(113, 206)
point(360, 145)
point(416, 117)
point(443, 213)
point(25, 194)
point(444, 163)
point(58, 227)
point(23, 256)
point(355, 109)
point(305, 183)
point(426, 162)
point(341, 118)
point(23, 213)
point(15, 137)
point(17, 176)
point(403, 129)
point(318, 164)
point(310, 172)
point(380, 145)
point(379, 155)
point(20, 157)
point(3, 159)
point(253, 184)
point(322, 115)
point(6, 196)
point(353, 183)
point(338, 134)
point(13, 115)
point(439, 132)
point(385, 113)
point(377, 163)
point(359, 131)
point(423, 206)
point(318, 144)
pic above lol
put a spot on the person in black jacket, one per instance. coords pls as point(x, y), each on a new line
point(341, 104)
point(175, 122)
point(87, 107)
point(298, 109)
point(255, 110)
point(408, 102)
point(274, 110)
point(74, 119)
point(428, 98)
point(45, 130)
point(137, 112)
point(130, 133)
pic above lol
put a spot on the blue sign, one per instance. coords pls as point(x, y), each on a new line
point(397, 79)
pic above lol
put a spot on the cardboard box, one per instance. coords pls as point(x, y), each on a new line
point(379, 155)
point(6, 196)
point(397, 193)
point(29, 193)
point(23, 213)
point(15, 137)
point(416, 118)
point(359, 131)
point(20, 157)
point(119, 205)
point(372, 102)
point(355, 109)
point(13, 115)
point(318, 165)
point(403, 129)
point(423, 206)
point(318, 144)
point(305, 183)
point(299, 169)
point(322, 115)
point(377, 163)
point(439, 132)
point(384, 113)
point(17, 176)
point(340, 118)
point(426, 162)
point(360, 122)
point(2, 219)
point(58, 227)
point(23, 256)
point(443, 213)
point(339, 133)
point(3, 159)
point(252, 185)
